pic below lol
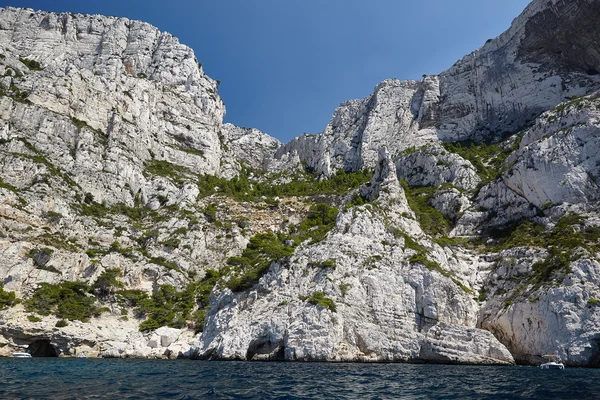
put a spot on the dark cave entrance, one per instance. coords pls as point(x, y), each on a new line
point(42, 348)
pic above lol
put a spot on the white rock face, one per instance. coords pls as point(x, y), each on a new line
point(383, 306)
point(499, 88)
point(558, 161)
point(434, 167)
point(390, 117)
point(534, 322)
point(109, 336)
point(252, 147)
point(111, 145)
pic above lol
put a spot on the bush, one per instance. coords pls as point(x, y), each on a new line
point(66, 300)
point(488, 159)
point(108, 282)
point(266, 248)
point(61, 323)
point(7, 299)
point(40, 257)
point(431, 220)
point(568, 234)
point(344, 288)
point(33, 318)
point(133, 298)
point(176, 173)
point(31, 64)
point(255, 260)
point(168, 307)
point(247, 187)
point(319, 299)
point(331, 263)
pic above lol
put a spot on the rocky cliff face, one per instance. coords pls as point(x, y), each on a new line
point(498, 89)
point(452, 219)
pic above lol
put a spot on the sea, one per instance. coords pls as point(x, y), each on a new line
point(61, 378)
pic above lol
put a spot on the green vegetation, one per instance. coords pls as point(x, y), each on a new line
point(33, 318)
point(139, 215)
point(255, 260)
point(58, 241)
point(319, 299)
point(344, 287)
point(488, 159)
point(7, 299)
point(265, 248)
point(14, 93)
point(163, 262)
point(67, 300)
point(356, 201)
point(79, 124)
point(573, 101)
point(115, 247)
point(7, 186)
point(108, 282)
point(170, 307)
point(40, 257)
point(431, 220)
point(210, 212)
point(142, 75)
point(53, 217)
point(39, 157)
point(202, 291)
point(176, 173)
point(568, 234)
point(31, 64)
point(166, 307)
point(593, 301)
point(331, 263)
point(80, 301)
point(73, 300)
point(244, 188)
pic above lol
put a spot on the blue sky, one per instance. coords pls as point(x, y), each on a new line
point(285, 65)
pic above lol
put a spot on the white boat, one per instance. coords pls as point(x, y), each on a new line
point(554, 362)
point(82, 355)
point(21, 355)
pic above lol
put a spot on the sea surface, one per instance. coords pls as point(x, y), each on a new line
point(54, 378)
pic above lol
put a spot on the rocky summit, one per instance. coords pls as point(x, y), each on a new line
point(453, 219)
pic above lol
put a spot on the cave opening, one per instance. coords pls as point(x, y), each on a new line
point(42, 348)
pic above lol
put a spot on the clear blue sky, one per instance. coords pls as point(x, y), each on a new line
point(285, 65)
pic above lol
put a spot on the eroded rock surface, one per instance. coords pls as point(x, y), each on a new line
point(115, 158)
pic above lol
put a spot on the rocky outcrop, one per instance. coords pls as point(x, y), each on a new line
point(391, 116)
point(115, 158)
point(371, 303)
point(108, 337)
point(496, 90)
point(532, 320)
point(245, 147)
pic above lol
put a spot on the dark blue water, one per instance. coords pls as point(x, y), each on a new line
point(184, 379)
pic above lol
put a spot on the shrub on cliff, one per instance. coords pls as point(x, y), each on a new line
point(66, 300)
point(108, 282)
point(7, 299)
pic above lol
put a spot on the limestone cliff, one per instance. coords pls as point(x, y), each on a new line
point(452, 219)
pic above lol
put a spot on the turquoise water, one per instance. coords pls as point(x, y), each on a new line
point(52, 378)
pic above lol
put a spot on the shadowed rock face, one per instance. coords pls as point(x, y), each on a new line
point(548, 55)
point(564, 38)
